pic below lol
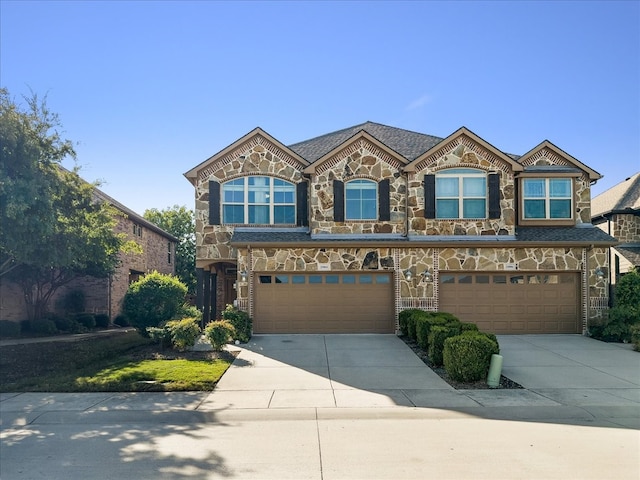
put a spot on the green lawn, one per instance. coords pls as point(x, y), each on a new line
point(122, 363)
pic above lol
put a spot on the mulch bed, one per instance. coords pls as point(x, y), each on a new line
point(479, 385)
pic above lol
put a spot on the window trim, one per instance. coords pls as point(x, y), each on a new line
point(375, 199)
point(271, 204)
point(461, 173)
point(547, 220)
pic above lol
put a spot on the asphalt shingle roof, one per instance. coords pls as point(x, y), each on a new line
point(622, 196)
point(630, 253)
point(561, 235)
point(407, 143)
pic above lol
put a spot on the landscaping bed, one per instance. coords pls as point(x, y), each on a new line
point(505, 383)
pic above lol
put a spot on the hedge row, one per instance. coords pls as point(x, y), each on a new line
point(54, 323)
point(464, 351)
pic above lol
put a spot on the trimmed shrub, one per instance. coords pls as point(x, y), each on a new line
point(467, 357)
point(121, 321)
point(44, 327)
point(152, 300)
point(102, 320)
point(241, 322)
point(183, 333)
point(404, 317)
point(424, 324)
point(87, 320)
point(64, 323)
point(437, 336)
point(160, 335)
point(219, 333)
point(468, 327)
point(9, 328)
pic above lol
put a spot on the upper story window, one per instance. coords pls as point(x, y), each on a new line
point(258, 200)
point(361, 198)
point(547, 198)
point(461, 193)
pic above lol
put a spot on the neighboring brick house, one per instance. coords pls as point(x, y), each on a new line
point(105, 295)
point(339, 233)
point(617, 212)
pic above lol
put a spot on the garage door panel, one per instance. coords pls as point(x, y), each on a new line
point(324, 303)
point(544, 302)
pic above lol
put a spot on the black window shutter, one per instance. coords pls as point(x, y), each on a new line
point(384, 201)
point(429, 185)
point(214, 203)
point(494, 195)
point(302, 216)
point(338, 201)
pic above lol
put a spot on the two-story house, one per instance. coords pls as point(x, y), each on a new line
point(339, 233)
point(617, 212)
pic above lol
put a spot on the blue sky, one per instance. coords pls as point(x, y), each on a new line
point(150, 89)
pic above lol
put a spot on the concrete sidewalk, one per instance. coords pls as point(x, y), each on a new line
point(345, 407)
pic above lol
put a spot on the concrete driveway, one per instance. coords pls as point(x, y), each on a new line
point(559, 373)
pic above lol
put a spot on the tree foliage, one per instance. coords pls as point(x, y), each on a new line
point(53, 229)
point(179, 222)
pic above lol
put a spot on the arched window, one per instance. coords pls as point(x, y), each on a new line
point(361, 200)
point(258, 200)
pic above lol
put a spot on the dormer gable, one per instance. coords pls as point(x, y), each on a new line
point(246, 150)
point(463, 148)
point(361, 141)
point(546, 154)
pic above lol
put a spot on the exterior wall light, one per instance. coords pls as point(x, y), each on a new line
point(408, 275)
point(599, 273)
point(427, 276)
point(243, 276)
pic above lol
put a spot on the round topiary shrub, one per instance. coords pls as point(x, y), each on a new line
point(44, 327)
point(184, 333)
point(467, 357)
point(219, 333)
point(87, 320)
point(152, 300)
point(64, 323)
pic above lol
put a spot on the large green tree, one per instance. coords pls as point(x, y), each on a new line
point(52, 229)
point(179, 222)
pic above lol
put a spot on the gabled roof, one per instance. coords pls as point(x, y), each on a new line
point(623, 196)
point(573, 162)
point(391, 155)
point(405, 142)
point(463, 131)
point(252, 135)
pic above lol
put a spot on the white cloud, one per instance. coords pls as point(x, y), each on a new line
point(419, 102)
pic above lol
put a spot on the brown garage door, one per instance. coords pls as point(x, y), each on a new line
point(513, 302)
point(323, 303)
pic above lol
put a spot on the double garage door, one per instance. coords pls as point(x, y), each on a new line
point(515, 302)
point(323, 303)
point(498, 302)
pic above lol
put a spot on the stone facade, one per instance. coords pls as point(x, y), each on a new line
point(408, 241)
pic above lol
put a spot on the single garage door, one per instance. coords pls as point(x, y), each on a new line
point(513, 302)
point(323, 303)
